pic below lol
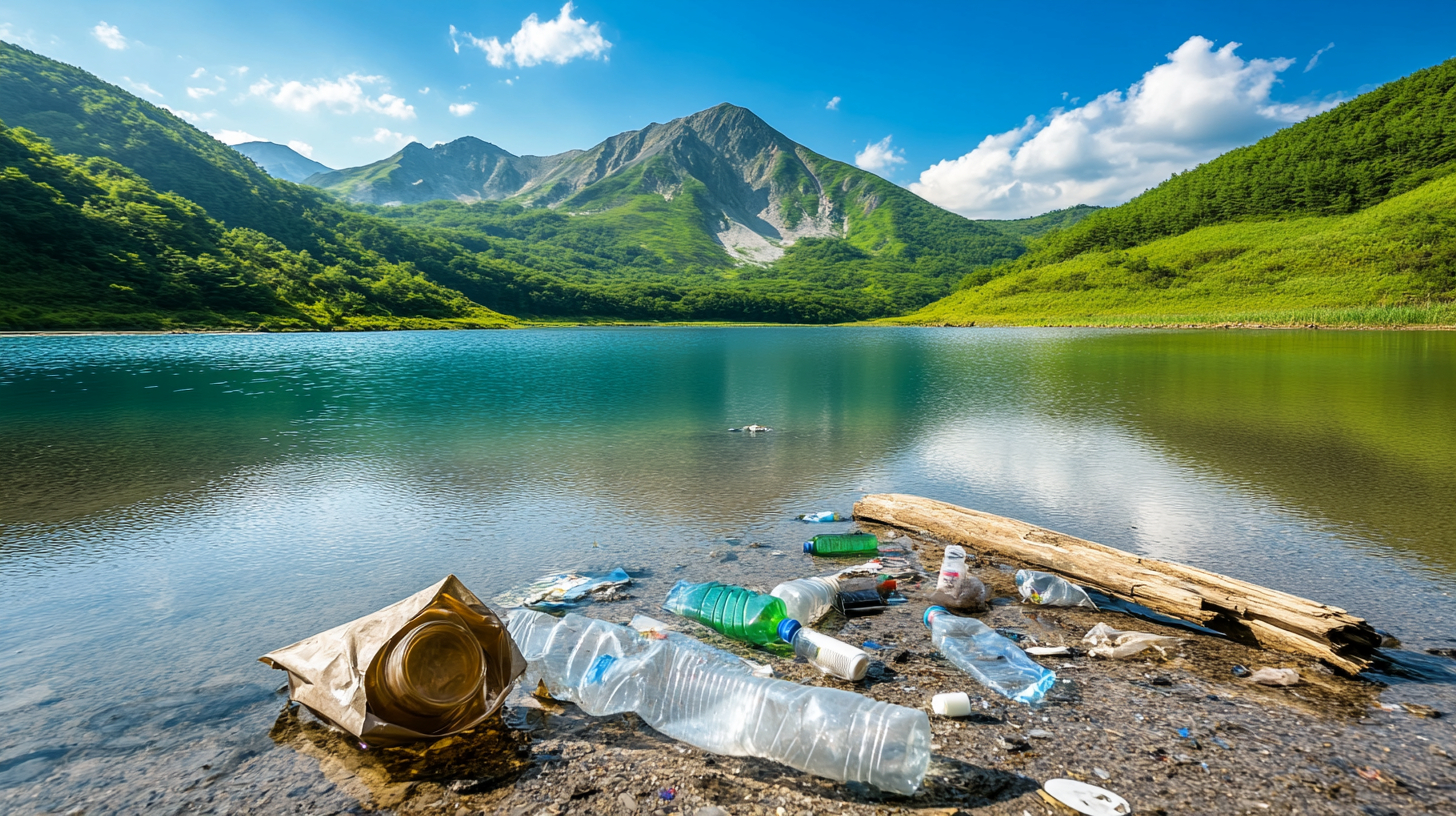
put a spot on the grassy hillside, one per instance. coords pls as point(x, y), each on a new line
point(1381, 144)
point(87, 243)
point(1393, 263)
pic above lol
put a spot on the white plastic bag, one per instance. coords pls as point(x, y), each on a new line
point(1108, 642)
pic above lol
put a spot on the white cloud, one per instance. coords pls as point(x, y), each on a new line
point(878, 156)
point(109, 36)
point(424, 90)
point(560, 40)
point(201, 93)
point(833, 104)
point(9, 34)
point(232, 137)
point(463, 109)
point(240, 70)
point(199, 72)
point(1314, 60)
point(385, 136)
point(1200, 103)
point(302, 148)
point(345, 94)
point(142, 87)
point(194, 118)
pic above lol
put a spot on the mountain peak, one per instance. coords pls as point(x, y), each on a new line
point(281, 161)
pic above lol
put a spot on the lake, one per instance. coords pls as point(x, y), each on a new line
point(172, 507)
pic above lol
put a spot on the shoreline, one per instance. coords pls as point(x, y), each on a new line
point(1227, 326)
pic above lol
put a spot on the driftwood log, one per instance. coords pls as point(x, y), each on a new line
point(1244, 611)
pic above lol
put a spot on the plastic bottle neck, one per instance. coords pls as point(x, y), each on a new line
point(789, 629)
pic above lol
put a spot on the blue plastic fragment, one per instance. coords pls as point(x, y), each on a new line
point(1183, 732)
point(870, 644)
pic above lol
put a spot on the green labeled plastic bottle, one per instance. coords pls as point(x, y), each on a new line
point(831, 544)
point(739, 613)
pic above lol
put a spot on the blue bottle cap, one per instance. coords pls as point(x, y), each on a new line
point(788, 629)
point(931, 612)
point(809, 547)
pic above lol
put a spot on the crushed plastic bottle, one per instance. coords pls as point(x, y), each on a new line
point(842, 544)
point(956, 588)
point(807, 600)
point(739, 613)
point(820, 518)
point(715, 704)
point(1050, 590)
point(995, 662)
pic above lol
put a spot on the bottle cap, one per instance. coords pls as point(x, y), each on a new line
point(931, 613)
point(952, 704)
point(788, 628)
point(809, 547)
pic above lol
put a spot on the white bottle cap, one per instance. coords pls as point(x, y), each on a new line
point(951, 704)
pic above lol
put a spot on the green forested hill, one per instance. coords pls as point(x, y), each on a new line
point(87, 243)
point(1378, 145)
point(1344, 218)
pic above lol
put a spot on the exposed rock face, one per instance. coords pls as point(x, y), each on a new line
point(281, 161)
point(758, 189)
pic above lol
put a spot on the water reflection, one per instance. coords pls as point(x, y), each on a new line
point(181, 505)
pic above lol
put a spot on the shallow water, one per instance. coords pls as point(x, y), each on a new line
point(171, 507)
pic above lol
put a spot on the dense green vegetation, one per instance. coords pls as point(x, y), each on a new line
point(88, 243)
point(1343, 219)
point(1380, 144)
point(1393, 263)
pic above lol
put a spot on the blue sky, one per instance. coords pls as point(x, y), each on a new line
point(991, 109)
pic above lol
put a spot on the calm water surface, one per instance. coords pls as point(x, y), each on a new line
point(171, 507)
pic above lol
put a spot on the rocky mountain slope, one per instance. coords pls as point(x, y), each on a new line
point(281, 161)
point(756, 191)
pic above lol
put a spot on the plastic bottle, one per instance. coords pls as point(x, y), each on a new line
point(715, 705)
point(829, 655)
point(808, 599)
point(842, 544)
point(991, 659)
point(1050, 590)
point(825, 516)
point(739, 613)
point(956, 588)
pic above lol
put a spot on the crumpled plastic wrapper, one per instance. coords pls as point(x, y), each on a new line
point(1276, 677)
point(329, 673)
point(1108, 642)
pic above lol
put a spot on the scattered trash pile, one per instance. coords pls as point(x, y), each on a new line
point(439, 662)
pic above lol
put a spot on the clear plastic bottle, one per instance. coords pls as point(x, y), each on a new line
point(739, 613)
point(1047, 589)
point(829, 655)
point(716, 704)
point(995, 662)
point(808, 599)
point(842, 544)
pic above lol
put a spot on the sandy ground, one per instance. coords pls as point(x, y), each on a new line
point(1322, 747)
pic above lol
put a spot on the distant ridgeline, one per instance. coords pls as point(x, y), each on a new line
point(1346, 217)
point(121, 215)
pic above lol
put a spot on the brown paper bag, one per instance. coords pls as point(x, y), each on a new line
point(409, 671)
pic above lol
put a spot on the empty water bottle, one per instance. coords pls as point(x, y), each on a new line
point(844, 544)
point(991, 659)
point(715, 704)
point(1050, 590)
point(818, 518)
point(807, 599)
point(739, 613)
point(833, 657)
point(956, 588)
